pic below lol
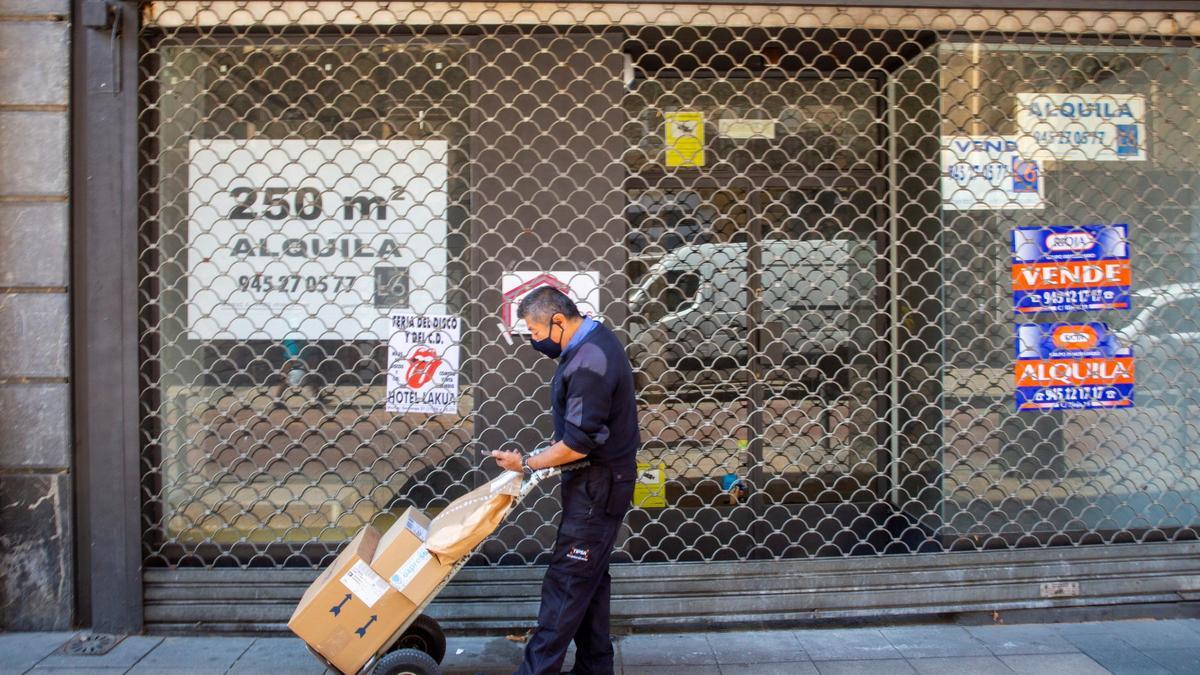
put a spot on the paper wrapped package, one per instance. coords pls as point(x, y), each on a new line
point(470, 519)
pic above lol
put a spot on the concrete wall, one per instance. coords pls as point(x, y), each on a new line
point(36, 543)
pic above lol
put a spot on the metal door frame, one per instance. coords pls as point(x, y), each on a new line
point(104, 254)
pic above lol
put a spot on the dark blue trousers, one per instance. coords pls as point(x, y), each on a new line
point(575, 592)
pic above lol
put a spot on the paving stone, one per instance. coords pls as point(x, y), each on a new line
point(683, 654)
point(1088, 641)
point(870, 667)
point(21, 651)
point(125, 655)
point(667, 650)
point(1181, 661)
point(674, 670)
point(1003, 640)
point(193, 654)
point(846, 644)
point(481, 654)
point(1100, 627)
point(271, 656)
point(756, 647)
point(1169, 634)
point(1127, 661)
point(1058, 664)
point(77, 670)
point(787, 668)
point(959, 664)
point(922, 642)
point(956, 665)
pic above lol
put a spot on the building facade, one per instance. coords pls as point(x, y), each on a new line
point(37, 560)
point(909, 289)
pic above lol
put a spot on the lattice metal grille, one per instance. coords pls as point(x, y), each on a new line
point(800, 220)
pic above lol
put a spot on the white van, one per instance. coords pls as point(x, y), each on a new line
point(1164, 332)
point(689, 312)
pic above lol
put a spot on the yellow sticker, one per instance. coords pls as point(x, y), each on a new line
point(650, 489)
point(685, 138)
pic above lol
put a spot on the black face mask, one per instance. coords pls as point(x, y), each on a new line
point(549, 346)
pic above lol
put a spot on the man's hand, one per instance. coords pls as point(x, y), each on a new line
point(510, 460)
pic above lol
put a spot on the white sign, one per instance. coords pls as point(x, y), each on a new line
point(313, 239)
point(1095, 127)
point(423, 363)
point(988, 173)
point(743, 128)
point(364, 583)
point(582, 287)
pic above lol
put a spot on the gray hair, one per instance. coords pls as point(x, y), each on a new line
point(544, 302)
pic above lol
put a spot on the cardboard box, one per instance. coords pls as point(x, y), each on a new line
point(403, 560)
point(350, 610)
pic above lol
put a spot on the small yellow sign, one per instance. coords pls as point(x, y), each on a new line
point(650, 489)
point(685, 138)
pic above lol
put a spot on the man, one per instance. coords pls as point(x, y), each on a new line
point(595, 418)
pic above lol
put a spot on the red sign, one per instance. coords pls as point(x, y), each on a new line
point(423, 364)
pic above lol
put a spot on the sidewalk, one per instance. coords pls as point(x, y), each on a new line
point(1147, 646)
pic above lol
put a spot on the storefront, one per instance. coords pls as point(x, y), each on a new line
point(884, 272)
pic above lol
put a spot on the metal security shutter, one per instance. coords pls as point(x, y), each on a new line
point(801, 220)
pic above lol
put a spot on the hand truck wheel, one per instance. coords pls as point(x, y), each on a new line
point(407, 662)
point(426, 635)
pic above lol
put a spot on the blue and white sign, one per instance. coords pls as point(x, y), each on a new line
point(1070, 268)
point(1065, 366)
point(1082, 127)
point(988, 173)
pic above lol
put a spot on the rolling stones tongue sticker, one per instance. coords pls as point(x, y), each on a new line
point(423, 364)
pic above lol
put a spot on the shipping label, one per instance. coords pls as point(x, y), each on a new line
point(364, 583)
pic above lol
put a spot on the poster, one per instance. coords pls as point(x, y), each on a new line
point(685, 138)
point(313, 239)
point(582, 287)
point(1074, 127)
point(988, 173)
point(1072, 366)
point(650, 490)
point(423, 364)
point(1070, 268)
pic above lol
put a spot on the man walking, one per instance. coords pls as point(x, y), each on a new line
point(595, 418)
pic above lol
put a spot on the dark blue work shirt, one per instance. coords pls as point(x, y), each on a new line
point(595, 412)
